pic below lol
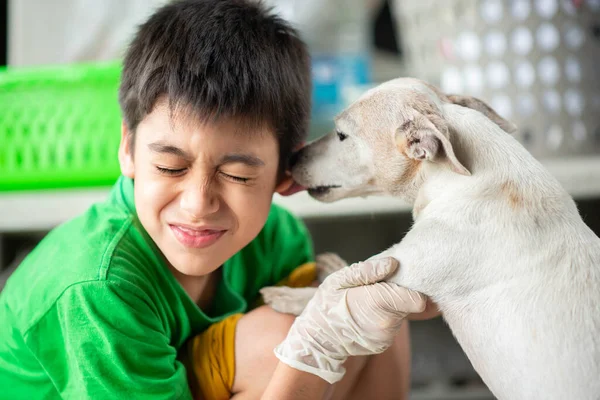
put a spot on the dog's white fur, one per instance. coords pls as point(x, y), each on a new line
point(497, 243)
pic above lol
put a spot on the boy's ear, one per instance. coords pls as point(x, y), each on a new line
point(126, 152)
point(287, 186)
point(286, 183)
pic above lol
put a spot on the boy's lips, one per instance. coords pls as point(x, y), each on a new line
point(196, 237)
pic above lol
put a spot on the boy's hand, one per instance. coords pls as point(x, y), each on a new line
point(352, 314)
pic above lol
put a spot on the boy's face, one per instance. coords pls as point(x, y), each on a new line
point(202, 191)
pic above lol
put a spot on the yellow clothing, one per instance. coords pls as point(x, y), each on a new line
point(213, 351)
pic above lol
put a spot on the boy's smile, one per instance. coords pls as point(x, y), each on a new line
point(203, 190)
point(196, 236)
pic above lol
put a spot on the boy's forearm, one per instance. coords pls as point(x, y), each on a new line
point(288, 383)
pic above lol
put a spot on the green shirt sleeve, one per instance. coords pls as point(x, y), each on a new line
point(291, 245)
point(104, 340)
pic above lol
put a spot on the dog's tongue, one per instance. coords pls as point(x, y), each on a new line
point(294, 188)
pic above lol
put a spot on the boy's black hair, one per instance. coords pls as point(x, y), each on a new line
point(220, 58)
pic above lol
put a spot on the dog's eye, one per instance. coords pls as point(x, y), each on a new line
point(342, 136)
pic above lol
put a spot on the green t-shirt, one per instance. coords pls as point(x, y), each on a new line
point(93, 311)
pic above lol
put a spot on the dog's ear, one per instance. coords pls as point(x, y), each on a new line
point(482, 107)
point(426, 138)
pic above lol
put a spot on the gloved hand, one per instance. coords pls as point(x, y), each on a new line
point(346, 319)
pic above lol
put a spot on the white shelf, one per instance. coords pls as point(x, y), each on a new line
point(43, 210)
point(451, 394)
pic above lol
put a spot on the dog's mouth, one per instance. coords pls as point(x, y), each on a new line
point(321, 190)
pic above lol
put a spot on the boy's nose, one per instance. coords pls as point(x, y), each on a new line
point(199, 200)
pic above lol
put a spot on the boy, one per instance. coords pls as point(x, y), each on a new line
point(215, 95)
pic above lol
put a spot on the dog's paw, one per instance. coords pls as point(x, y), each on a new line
point(328, 263)
point(287, 300)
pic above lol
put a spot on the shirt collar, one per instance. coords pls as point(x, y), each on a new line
point(122, 194)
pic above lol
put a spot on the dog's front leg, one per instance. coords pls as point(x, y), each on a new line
point(428, 256)
point(405, 276)
point(409, 274)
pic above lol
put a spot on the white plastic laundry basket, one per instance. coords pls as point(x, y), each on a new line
point(537, 62)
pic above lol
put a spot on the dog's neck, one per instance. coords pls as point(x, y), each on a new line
point(479, 143)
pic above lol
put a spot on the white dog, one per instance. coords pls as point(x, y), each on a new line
point(497, 243)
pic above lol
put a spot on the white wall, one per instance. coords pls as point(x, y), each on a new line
point(66, 31)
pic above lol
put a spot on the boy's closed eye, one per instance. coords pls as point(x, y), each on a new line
point(235, 167)
point(235, 177)
point(170, 171)
point(239, 167)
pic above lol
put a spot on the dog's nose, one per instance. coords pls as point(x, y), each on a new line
point(294, 159)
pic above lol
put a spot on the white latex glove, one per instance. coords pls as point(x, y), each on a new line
point(346, 319)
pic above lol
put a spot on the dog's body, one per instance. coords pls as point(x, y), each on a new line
point(513, 268)
point(497, 243)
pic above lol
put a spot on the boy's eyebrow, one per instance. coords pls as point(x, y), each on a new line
point(159, 147)
point(230, 158)
point(247, 159)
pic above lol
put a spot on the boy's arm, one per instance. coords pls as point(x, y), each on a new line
point(290, 247)
point(368, 314)
point(101, 340)
point(292, 384)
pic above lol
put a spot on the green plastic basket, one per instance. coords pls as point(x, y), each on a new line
point(59, 126)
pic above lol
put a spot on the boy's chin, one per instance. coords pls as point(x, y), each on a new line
point(190, 266)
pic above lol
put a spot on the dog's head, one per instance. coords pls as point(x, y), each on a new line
point(381, 141)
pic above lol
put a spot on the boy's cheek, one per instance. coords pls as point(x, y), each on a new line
point(152, 194)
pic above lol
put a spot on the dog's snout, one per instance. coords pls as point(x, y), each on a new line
point(294, 159)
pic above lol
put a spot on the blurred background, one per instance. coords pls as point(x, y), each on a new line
point(535, 61)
